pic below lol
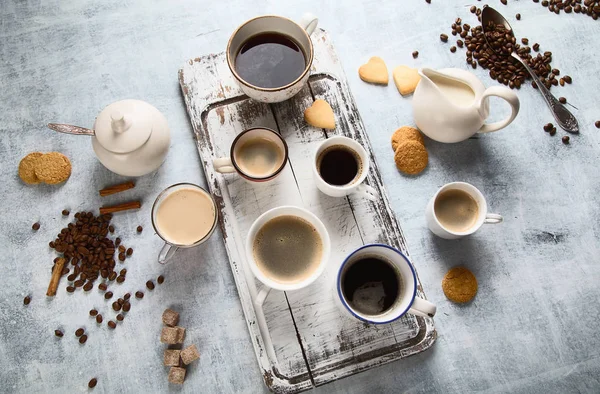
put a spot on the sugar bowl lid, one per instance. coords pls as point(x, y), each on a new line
point(125, 125)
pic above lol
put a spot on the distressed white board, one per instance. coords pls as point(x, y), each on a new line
point(301, 338)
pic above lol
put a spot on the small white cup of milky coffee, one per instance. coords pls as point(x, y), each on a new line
point(183, 215)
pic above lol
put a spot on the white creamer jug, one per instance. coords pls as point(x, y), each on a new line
point(451, 105)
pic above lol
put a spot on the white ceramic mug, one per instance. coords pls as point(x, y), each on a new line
point(169, 248)
point(271, 283)
point(482, 215)
point(231, 164)
point(356, 186)
point(407, 300)
point(300, 33)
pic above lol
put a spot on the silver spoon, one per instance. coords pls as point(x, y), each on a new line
point(70, 129)
point(564, 118)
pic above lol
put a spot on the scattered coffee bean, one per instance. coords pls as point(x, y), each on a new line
point(92, 383)
point(126, 306)
point(123, 271)
point(567, 79)
point(129, 251)
point(503, 2)
point(70, 289)
point(518, 16)
point(58, 333)
point(565, 139)
point(121, 301)
point(65, 271)
point(139, 294)
point(36, 227)
point(102, 286)
point(428, 1)
point(562, 100)
point(121, 256)
point(88, 286)
point(536, 47)
point(117, 241)
point(79, 332)
point(120, 317)
point(127, 296)
point(26, 300)
point(112, 324)
point(548, 127)
point(460, 43)
point(99, 319)
point(116, 306)
point(79, 283)
point(597, 124)
point(122, 248)
point(140, 228)
point(83, 339)
point(473, 9)
point(415, 55)
point(72, 277)
point(160, 279)
point(108, 295)
point(444, 37)
point(112, 276)
point(65, 212)
point(120, 279)
point(553, 131)
point(111, 228)
point(150, 285)
point(561, 82)
point(452, 49)
point(93, 312)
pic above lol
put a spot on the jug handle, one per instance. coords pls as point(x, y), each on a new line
point(510, 97)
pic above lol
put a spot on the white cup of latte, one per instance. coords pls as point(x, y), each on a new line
point(287, 248)
point(258, 155)
point(183, 215)
point(458, 209)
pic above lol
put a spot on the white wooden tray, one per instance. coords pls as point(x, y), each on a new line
point(301, 338)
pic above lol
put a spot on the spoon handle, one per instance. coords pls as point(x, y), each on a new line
point(563, 116)
point(70, 129)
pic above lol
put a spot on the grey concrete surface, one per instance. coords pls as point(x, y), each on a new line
point(533, 326)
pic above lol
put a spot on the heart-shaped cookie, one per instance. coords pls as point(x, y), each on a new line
point(375, 71)
point(320, 115)
point(406, 79)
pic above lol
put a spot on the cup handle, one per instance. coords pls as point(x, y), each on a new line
point(423, 308)
point(493, 218)
point(367, 192)
point(166, 253)
point(510, 97)
point(261, 296)
point(223, 165)
point(309, 22)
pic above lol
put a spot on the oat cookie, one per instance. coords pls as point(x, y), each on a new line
point(405, 133)
point(459, 285)
point(411, 157)
point(406, 79)
point(53, 168)
point(27, 168)
point(320, 115)
point(374, 71)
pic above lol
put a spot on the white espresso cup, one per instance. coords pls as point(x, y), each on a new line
point(270, 282)
point(258, 155)
point(356, 185)
point(184, 215)
point(435, 225)
point(298, 32)
point(371, 293)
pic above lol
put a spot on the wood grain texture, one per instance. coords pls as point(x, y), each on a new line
point(304, 338)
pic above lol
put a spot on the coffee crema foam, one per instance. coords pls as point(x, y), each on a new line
point(456, 210)
point(259, 157)
point(288, 249)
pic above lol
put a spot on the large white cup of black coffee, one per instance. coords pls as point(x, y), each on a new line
point(184, 215)
point(458, 209)
point(257, 155)
point(270, 56)
point(287, 248)
point(378, 284)
point(340, 167)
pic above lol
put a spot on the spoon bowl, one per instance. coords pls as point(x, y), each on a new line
point(491, 18)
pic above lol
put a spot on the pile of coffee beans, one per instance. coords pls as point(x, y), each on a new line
point(503, 68)
point(86, 246)
point(586, 7)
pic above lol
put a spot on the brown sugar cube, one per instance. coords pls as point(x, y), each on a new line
point(170, 318)
point(169, 335)
point(171, 358)
point(189, 354)
point(176, 375)
point(180, 334)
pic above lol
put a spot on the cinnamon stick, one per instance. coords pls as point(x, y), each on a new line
point(120, 207)
point(107, 191)
point(56, 274)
